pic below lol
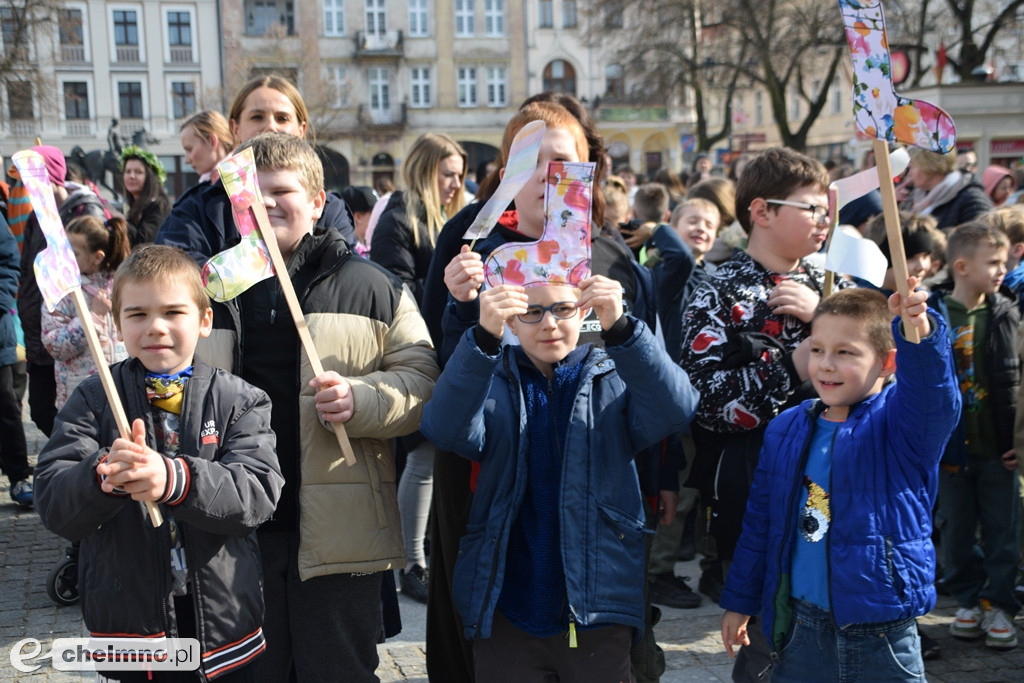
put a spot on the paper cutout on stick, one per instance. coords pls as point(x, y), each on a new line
point(234, 270)
point(521, 164)
point(56, 269)
point(879, 112)
point(859, 184)
point(856, 256)
point(562, 254)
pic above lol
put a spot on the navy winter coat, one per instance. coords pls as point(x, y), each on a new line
point(478, 411)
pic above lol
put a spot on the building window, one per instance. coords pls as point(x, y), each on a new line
point(559, 76)
point(380, 95)
point(794, 104)
point(179, 29)
point(334, 17)
point(758, 108)
point(613, 14)
point(262, 16)
point(420, 82)
point(466, 85)
point(126, 29)
point(19, 101)
point(337, 81)
point(418, 18)
point(464, 17)
point(568, 13)
point(76, 100)
point(494, 17)
point(70, 28)
point(545, 14)
point(613, 82)
point(376, 19)
point(183, 98)
point(130, 98)
point(836, 97)
point(496, 87)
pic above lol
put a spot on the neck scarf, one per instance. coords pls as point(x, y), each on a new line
point(167, 391)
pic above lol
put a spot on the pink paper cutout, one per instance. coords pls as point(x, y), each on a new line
point(879, 112)
point(56, 269)
point(562, 254)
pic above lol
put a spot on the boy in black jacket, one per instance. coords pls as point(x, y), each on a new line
point(201, 447)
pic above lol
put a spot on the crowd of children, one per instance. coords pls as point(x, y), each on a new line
point(831, 498)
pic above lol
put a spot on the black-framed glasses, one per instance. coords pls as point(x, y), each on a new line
point(562, 310)
point(819, 214)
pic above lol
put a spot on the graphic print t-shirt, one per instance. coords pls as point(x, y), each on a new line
point(814, 519)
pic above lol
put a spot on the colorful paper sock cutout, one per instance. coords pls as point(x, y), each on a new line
point(234, 270)
point(57, 273)
point(562, 254)
point(879, 112)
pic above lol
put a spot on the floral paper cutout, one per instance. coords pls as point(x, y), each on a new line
point(56, 269)
point(234, 270)
point(879, 112)
point(562, 254)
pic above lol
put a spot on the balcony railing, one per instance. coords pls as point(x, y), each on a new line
point(393, 116)
point(127, 54)
point(181, 54)
point(78, 127)
point(386, 44)
point(72, 54)
point(23, 127)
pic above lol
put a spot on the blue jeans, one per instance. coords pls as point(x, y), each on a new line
point(985, 494)
point(818, 650)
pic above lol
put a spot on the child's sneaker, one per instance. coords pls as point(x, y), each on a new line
point(999, 631)
point(21, 493)
point(967, 624)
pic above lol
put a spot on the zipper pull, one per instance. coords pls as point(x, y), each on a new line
point(572, 632)
point(273, 315)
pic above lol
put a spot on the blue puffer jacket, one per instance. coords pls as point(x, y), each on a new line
point(885, 462)
point(477, 410)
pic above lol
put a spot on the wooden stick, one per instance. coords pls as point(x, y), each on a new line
point(98, 357)
point(892, 228)
point(281, 268)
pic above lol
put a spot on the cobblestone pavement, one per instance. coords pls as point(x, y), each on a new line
point(690, 637)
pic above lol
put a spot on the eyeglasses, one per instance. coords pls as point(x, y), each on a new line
point(561, 310)
point(819, 214)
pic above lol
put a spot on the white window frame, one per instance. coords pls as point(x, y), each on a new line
point(335, 8)
point(497, 86)
point(140, 27)
point(90, 92)
point(86, 43)
point(466, 87)
point(794, 104)
point(759, 108)
point(419, 19)
point(378, 10)
point(374, 80)
point(337, 81)
point(143, 93)
point(464, 16)
point(420, 87)
point(494, 18)
point(836, 97)
point(165, 11)
point(171, 80)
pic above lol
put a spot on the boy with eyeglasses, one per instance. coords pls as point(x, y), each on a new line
point(742, 340)
point(550, 576)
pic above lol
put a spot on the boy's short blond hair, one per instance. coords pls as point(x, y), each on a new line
point(868, 308)
point(695, 202)
point(283, 152)
point(776, 173)
point(159, 263)
point(1009, 219)
point(650, 203)
point(933, 163)
point(969, 237)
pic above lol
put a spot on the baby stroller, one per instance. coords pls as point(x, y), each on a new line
point(62, 581)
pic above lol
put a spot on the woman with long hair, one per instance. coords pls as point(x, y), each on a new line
point(201, 222)
point(434, 171)
point(206, 139)
point(145, 201)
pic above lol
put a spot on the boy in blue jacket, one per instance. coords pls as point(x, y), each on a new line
point(555, 540)
point(836, 553)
